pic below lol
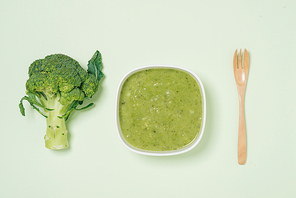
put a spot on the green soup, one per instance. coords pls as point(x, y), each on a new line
point(160, 109)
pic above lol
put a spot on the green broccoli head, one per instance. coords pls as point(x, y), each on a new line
point(57, 73)
point(57, 85)
point(90, 86)
point(42, 83)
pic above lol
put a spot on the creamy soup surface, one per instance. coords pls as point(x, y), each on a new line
point(160, 109)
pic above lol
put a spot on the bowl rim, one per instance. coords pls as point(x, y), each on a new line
point(160, 153)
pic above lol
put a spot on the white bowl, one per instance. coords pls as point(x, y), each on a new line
point(160, 153)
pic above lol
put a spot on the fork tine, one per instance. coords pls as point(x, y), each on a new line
point(235, 60)
point(246, 60)
point(240, 59)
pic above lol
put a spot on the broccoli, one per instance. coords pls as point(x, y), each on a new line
point(57, 85)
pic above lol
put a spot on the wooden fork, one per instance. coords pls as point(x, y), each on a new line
point(241, 76)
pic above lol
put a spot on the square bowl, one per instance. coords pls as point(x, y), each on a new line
point(177, 151)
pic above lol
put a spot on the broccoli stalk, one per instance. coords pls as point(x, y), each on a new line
point(57, 85)
point(56, 133)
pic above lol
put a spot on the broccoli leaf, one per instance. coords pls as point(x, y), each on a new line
point(87, 106)
point(31, 101)
point(95, 65)
point(70, 109)
point(73, 107)
point(22, 108)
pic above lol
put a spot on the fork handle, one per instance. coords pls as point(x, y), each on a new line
point(242, 140)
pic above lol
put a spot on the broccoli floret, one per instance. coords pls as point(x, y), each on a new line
point(57, 85)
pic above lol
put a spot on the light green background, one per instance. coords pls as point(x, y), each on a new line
point(198, 35)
